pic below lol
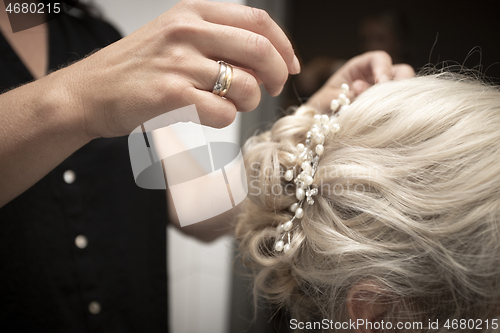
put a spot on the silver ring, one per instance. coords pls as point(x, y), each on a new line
point(224, 79)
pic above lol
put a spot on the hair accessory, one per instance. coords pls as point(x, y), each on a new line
point(307, 160)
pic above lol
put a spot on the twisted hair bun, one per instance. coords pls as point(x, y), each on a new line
point(409, 198)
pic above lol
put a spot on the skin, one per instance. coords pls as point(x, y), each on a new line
point(167, 64)
point(366, 301)
point(360, 73)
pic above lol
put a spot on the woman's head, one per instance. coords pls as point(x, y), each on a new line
point(406, 225)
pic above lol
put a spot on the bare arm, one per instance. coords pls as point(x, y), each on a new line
point(40, 126)
point(167, 64)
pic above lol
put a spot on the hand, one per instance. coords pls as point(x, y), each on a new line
point(172, 62)
point(360, 73)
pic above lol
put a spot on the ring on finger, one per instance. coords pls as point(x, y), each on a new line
point(224, 79)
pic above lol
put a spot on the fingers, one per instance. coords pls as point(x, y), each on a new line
point(402, 71)
point(250, 19)
point(244, 91)
point(247, 50)
point(372, 67)
point(213, 110)
point(381, 64)
point(361, 73)
point(383, 70)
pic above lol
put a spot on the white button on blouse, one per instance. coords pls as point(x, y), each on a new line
point(69, 176)
point(81, 241)
point(94, 307)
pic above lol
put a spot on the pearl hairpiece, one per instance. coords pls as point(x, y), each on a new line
point(307, 160)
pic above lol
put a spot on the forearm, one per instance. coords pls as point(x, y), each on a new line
point(165, 65)
point(39, 128)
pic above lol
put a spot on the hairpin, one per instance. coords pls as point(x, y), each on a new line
point(307, 160)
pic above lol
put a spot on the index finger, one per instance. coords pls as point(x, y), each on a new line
point(373, 67)
point(381, 63)
point(402, 71)
point(254, 20)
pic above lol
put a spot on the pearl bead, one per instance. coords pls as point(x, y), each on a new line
point(280, 229)
point(300, 193)
point(320, 139)
point(306, 166)
point(334, 105)
point(288, 226)
point(301, 147)
point(279, 245)
point(345, 88)
point(320, 150)
point(289, 175)
point(299, 213)
point(317, 119)
point(325, 119)
point(308, 180)
point(335, 127)
point(294, 207)
point(286, 248)
point(325, 128)
point(303, 156)
point(342, 99)
point(314, 131)
point(291, 158)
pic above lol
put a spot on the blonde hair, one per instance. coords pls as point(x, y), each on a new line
point(409, 199)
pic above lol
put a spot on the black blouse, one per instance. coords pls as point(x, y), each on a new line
point(84, 249)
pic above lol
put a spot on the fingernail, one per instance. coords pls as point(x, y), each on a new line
point(296, 65)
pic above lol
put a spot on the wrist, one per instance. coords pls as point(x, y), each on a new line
point(62, 103)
